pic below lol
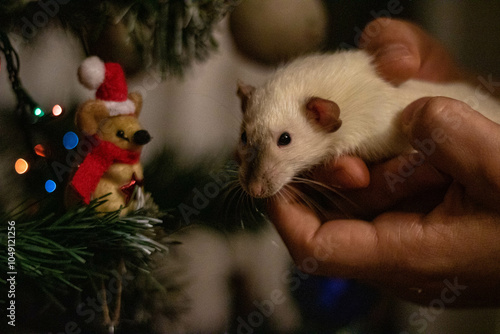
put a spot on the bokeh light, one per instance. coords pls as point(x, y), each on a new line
point(70, 140)
point(40, 150)
point(50, 186)
point(21, 166)
point(57, 110)
point(38, 112)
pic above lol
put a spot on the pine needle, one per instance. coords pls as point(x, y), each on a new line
point(79, 244)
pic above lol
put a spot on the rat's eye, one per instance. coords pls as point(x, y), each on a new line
point(121, 135)
point(284, 139)
point(244, 138)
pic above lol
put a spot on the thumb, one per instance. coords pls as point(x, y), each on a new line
point(457, 140)
point(402, 50)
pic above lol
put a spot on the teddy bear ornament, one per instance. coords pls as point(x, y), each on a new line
point(116, 138)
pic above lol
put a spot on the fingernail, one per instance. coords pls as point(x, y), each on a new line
point(391, 53)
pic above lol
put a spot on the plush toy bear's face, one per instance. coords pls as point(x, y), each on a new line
point(124, 130)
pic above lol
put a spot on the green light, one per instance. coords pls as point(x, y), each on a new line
point(38, 112)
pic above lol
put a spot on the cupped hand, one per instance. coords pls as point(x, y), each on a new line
point(418, 254)
point(436, 224)
point(401, 51)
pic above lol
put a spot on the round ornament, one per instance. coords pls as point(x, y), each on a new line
point(271, 32)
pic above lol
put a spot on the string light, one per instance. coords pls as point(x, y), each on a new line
point(57, 110)
point(40, 150)
point(27, 108)
point(70, 140)
point(50, 186)
point(38, 112)
point(21, 166)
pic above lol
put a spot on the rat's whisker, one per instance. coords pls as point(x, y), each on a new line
point(239, 206)
point(309, 200)
point(322, 187)
point(322, 197)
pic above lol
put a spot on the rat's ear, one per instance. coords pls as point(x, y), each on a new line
point(245, 92)
point(137, 99)
point(89, 115)
point(325, 113)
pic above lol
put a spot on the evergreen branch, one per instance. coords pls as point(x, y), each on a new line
point(171, 34)
point(79, 244)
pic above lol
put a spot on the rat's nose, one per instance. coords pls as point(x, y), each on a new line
point(256, 189)
point(141, 137)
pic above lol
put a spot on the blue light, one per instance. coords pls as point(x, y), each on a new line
point(50, 186)
point(70, 140)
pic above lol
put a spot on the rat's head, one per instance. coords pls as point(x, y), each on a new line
point(125, 131)
point(280, 138)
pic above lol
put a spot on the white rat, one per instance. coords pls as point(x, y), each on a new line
point(323, 106)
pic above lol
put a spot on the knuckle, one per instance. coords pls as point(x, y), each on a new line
point(434, 108)
point(439, 107)
point(437, 112)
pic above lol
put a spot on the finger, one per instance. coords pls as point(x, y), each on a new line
point(336, 248)
point(458, 141)
point(402, 251)
point(403, 50)
point(345, 172)
point(295, 223)
point(404, 181)
point(397, 182)
point(345, 248)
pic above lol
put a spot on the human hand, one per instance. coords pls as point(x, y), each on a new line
point(413, 252)
point(417, 254)
point(404, 51)
point(401, 51)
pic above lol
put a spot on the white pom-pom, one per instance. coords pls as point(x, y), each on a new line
point(91, 72)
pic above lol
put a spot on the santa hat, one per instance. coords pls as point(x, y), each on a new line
point(109, 80)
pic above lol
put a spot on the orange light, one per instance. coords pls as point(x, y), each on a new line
point(40, 150)
point(21, 166)
point(57, 110)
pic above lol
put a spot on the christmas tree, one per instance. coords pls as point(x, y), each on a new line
point(74, 250)
point(88, 271)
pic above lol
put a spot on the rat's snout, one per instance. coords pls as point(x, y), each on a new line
point(141, 137)
point(256, 189)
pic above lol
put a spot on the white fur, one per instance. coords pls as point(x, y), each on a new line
point(116, 108)
point(91, 72)
point(369, 108)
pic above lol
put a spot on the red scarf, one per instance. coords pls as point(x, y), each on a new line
point(96, 163)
